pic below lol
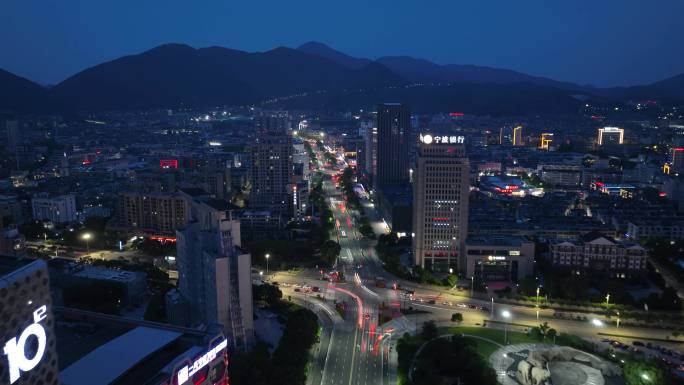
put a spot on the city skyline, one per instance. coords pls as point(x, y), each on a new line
point(328, 193)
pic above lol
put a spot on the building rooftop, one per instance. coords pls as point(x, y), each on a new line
point(12, 268)
point(495, 240)
point(194, 192)
point(220, 204)
point(110, 361)
point(101, 273)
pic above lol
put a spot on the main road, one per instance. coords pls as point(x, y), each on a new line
point(360, 346)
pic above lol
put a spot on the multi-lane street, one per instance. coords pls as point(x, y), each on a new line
point(359, 348)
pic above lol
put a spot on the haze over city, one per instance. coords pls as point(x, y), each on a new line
point(342, 193)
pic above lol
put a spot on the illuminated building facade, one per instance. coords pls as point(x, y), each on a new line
point(28, 353)
point(517, 136)
point(545, 140)
point(596, 252)
point(440, 203)
point(677, 160)
point(499, 258)
point(511, 135)
point(610, 135)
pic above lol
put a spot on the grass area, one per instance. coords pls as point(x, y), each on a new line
point(496, 335)
point(484, 348)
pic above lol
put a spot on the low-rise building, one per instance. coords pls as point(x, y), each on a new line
point(499, 258)
point(59, 209)
point(597, 253)
point(646, 228)
point(563, 175)
point(133, 284)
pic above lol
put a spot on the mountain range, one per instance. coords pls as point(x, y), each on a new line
point(312, 76)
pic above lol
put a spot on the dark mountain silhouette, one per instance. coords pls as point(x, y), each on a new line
point(670, 90)
point(322, 50)
point(311, 76)
point(19, 95)
point(424, 71)
point(472, 98)
point(173, 75)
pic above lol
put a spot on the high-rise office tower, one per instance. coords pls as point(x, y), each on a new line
point(517, 136)
point(511, 135)
point(394, 144)
point(214, 283)
point(370, 164)
point(272, 124)
point(272, 173)
point(440, 203)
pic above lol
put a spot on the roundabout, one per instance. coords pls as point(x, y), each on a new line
point(544, 364)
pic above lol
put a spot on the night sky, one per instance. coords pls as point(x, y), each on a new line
point(602, 42)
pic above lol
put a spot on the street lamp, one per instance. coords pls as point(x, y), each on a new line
point(86, 237)
point(506, 315)
point(267, 257)
point(607, 299)
point(537, 302)
point(472, 285)
point(492, 312)
point(618, 321)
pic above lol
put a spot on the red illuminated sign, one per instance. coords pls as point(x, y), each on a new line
point(163, 239)
point(86, 162)
point(168, 163)
point(456, 114)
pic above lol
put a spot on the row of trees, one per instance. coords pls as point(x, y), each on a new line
point(288, 362)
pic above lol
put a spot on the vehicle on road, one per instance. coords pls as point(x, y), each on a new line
point(431, 302)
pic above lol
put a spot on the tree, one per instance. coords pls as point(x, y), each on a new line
point(270, 294)
point(642, 373)
point(457, 317)
point(544, 329)
point(330, 250)
point(552, 334)
point(429, 331)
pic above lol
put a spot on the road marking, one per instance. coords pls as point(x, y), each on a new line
point(351, 368)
